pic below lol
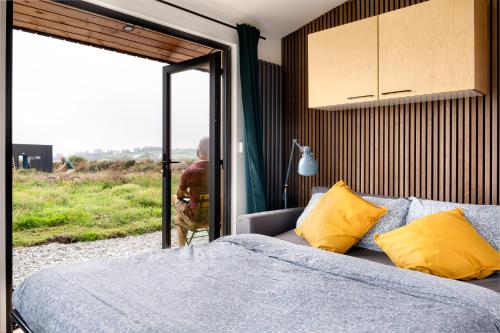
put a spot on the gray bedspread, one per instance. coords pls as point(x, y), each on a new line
point(250, 283)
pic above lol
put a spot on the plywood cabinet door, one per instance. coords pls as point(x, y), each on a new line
point(435, 47)
point(343, 64)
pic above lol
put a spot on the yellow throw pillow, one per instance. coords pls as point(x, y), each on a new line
point(339, 220)
point(443, 244)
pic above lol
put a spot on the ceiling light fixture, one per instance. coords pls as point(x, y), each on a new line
point(128, 28)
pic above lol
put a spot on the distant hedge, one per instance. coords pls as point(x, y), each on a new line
point(82, 164)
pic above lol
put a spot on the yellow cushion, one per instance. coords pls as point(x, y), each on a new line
point(443, 244)
point(339, 219)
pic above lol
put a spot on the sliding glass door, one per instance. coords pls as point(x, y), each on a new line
point(191, 160)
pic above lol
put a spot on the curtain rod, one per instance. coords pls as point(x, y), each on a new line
point(200, 15)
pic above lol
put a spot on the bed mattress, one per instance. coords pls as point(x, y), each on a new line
point(491, 282)
point(250, 283)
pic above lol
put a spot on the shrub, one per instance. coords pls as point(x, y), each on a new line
point(129, 163)
point(78, 159)
point(80, 163)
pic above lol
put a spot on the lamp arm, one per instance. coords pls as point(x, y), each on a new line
point(297, 144)
point(285, 187)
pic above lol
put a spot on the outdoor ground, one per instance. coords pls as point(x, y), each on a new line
point(27, 260)
point(100, 205)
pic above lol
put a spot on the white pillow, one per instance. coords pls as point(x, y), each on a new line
point(310, 206)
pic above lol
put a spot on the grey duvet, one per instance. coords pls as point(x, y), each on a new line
point(250, 283)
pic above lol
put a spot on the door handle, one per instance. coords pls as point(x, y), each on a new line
point(165, 166)
point(363, 96)
point(171, 162)
point(396, 92)
point(164, 169)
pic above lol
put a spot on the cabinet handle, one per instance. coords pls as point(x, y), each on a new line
point(364, 96)
point(396, 92)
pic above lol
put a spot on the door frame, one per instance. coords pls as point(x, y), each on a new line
point(99, 10)
point(213, 60)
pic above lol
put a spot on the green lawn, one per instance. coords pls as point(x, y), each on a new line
point(102, 205)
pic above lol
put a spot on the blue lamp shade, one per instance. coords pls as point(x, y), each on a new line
point(307, 164)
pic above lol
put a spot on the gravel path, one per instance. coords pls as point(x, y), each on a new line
point(27, 260)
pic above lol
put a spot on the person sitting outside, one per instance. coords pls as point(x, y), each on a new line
point(66, 165)
point(190, 201)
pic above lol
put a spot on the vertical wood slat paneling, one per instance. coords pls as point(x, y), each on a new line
point(270, 77)
point(495, 84)
point(445, 150)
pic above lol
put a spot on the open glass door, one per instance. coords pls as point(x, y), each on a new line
point(191, 151)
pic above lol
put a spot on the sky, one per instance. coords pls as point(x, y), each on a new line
point(81, 98)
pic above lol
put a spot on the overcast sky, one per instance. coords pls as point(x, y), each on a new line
point(78, 98)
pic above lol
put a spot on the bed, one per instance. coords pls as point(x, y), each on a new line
point(250, 283)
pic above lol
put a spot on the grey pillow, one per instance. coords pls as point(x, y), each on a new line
point(397, 209)
point(484, 218)
point(317, 193)
point(312, 203)
point(319, 189)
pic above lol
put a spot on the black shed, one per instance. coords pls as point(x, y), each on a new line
point(37, 157)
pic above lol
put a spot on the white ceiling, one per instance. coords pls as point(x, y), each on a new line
point(274, 18)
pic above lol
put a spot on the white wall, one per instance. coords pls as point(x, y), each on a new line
point(3, 289)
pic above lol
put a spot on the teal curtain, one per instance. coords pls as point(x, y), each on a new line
point(248, 38)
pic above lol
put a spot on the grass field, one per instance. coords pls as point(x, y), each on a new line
point(102, 205)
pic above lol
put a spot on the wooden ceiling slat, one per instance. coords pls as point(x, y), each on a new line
point(62, 9)
point(93, 41)
point(98, 36)
point(62, 19)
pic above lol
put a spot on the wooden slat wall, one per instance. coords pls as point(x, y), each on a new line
point(271, 99)
point(447, 150)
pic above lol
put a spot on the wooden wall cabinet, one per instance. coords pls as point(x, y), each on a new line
point(434, 49)
point(342, 64)
point(430, 51)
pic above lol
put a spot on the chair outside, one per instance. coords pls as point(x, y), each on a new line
point(199, 228)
